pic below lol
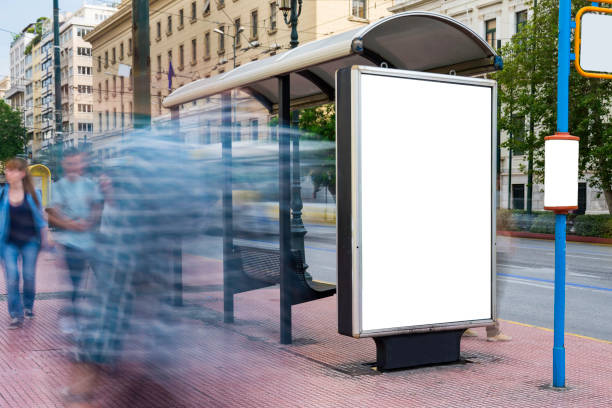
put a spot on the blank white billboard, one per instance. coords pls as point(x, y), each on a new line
point(595, 35)
point(423, 200)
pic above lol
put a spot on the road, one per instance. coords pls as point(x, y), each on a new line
point(525, 276)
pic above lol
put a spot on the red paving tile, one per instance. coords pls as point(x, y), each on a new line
point(243, 364)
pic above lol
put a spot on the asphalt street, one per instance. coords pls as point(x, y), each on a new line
point(525, 278)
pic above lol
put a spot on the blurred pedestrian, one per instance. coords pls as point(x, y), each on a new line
point(494, 333)
point(23, 229)
point(75, 211)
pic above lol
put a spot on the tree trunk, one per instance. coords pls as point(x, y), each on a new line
point(608, 195)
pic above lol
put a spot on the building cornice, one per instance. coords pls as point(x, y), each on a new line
point(408, 5)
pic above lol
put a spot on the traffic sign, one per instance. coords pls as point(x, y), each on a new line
point(592, 42)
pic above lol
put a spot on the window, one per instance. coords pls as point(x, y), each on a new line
point(490, 28)
point(194, 51)
point(518, 124)
point(106, 88)
point(99, 63)
point(114, 118)
point(582, 198)
point(121, 51)
point(169, 25)
point(114, 85)
point(122, 82)
point(105, 59)
point(254, 24)
point(122, 116)
point(273, 10)
point(221, 48)
point(114, 51)
point(129, 46)
point(181, 56)
point(206, 7)
point(159, 103)
point(518, 196)
point(181, 17)
point(159, 64)
point(358, 9)
point(84, 70)
point(100, 94)
point(254, 129)
point(236, 32)
point(158, 29)
point(84, 89)
point(100, 120)
point(193, 11)
point(207, 45)
point(521, 20)
point(85, 127)
point(107, 121)
point(84, 51)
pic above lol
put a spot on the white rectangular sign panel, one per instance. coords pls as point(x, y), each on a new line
point(595, 35)
point(422, 202)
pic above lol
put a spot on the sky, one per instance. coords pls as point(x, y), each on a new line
point(16, 14)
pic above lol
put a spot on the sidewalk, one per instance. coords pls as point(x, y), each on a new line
point(243, 364)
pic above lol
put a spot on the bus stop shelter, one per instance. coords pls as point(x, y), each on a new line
point(303, 77)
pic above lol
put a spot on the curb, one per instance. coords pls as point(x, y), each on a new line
point(551, 237)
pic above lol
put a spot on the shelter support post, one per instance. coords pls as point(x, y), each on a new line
point(284, 202)
point(228, 227)
point(417, 349)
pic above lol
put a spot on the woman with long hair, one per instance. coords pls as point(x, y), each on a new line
point(22, 230)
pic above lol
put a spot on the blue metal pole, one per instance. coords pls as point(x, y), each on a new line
point(562, 127)
point(559, 348)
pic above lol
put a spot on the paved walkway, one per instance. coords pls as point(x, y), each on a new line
point(243, 364)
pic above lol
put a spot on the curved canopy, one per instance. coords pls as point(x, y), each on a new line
point(419, 41)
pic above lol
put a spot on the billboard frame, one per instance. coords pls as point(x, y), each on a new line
point(578, 40)
point(349, 196)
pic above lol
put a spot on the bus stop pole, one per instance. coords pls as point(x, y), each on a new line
point(284, 203)
point(561, 216)
point(177, 251)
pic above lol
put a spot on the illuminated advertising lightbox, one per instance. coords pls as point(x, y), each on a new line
point(416, 201)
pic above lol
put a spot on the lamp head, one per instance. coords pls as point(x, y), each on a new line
point(240, 29)
point(285, 6)
point(216, 30)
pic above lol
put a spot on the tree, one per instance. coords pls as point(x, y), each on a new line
point(528, 89)
point(12, 132)
point(319, 123)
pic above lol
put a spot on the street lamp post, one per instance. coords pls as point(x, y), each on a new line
point(233, 37)
point(291, 12)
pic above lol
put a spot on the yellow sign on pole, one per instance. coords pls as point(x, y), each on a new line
point(41, 176)
point(591, 43)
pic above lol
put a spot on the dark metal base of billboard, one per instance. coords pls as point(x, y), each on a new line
point(418, 349)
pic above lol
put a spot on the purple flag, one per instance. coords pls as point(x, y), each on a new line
point(170, 75)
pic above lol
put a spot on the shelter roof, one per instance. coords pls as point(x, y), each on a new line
point(416, 40)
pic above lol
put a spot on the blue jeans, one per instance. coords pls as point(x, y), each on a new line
point(11, 254)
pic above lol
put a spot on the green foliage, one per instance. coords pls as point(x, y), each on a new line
point(319, 123)
point(38, 30)
point(527, 89)
point(13, 134)
point(593, 225)
point(543, 224)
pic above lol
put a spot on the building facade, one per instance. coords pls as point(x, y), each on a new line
point(497, 21)
point(197, 38)
point(18, 61)
point(5, 85)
